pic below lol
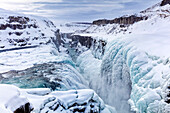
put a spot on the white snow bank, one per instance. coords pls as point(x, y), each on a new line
point(43, 100)
point(142, 54)
point(85, 100)
point(11, 98)
point(38, 91)
point(25, 58)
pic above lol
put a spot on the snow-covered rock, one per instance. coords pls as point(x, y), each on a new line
point(82, 101)
point(11, 100)
point(135, 65)
point(117, 28)
point(25, 41)
point(17, 30)
point(127, 65)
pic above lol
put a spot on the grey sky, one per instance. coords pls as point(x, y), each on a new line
point(77, 10)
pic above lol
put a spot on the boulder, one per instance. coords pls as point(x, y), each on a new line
point(165, 2)
point(11, 100)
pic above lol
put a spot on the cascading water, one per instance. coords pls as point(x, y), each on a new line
point(121, 75)
point(109, 77)
point(125, 75)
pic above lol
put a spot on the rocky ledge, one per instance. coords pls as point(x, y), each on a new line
point(125, 20)
point(12, 100)
point(15, 100)
point(165, 2)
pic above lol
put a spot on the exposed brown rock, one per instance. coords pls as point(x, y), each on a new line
point(165, 2)
point(122, 20)
point(19, 19)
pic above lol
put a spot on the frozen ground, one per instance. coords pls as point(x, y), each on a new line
point(43, 100)
point(133, 74)
point(136, 61)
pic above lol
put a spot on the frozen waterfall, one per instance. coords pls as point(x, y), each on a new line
point(127, 78)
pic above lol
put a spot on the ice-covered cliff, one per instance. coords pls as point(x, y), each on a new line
point(135, 66)
point(32, 57)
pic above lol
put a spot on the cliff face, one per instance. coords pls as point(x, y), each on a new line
point(165, 2)
point(126, 20)
point(122, 20)
point(18, 30)
point(19, 23)
point(77, 44)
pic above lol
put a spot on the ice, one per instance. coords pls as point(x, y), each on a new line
point(84, 100)
point(38, 91)
point(11, 99)
point(131, 75)
point(134, 67)
point(124, 67)
point(53, 75)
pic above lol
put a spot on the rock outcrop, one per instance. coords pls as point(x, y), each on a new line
point(24, 109)
point(165, 2)
point(17, 30)
point(74, 101)
point(12, 100)
point(42, 100)
point(79, 44)
point(125, 20)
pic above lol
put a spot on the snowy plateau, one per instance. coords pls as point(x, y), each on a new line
point(108, 66)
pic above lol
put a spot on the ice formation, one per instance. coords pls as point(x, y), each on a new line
point(43, 101)
point(134, 67)
point(12, 100)
point(127, 67)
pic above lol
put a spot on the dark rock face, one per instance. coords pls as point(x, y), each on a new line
point(22, 23)
point(27, 26)
point(19, 19)
point(122, 20)
point(165, 2)
point(24, 109)
point(17, 26)
point(167, 100)
point(76, 42)
point(83, 40)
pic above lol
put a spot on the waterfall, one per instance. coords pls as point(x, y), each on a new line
point(126, 78)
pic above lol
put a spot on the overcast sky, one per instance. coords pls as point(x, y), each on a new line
point(77, 10)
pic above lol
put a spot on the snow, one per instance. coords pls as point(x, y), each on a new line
point(133, 74)
point(139, 56)
point(22, 59)
point(42, 100)
point(38, 91)
point(72, 27)
point(76, 99)
point(10, 98)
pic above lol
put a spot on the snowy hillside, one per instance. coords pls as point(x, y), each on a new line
point(30, 58)
point(45, 101)
point(151, 14)
point(22, 39)
point(22, 30)
point(136, 60)
point(112, 66)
